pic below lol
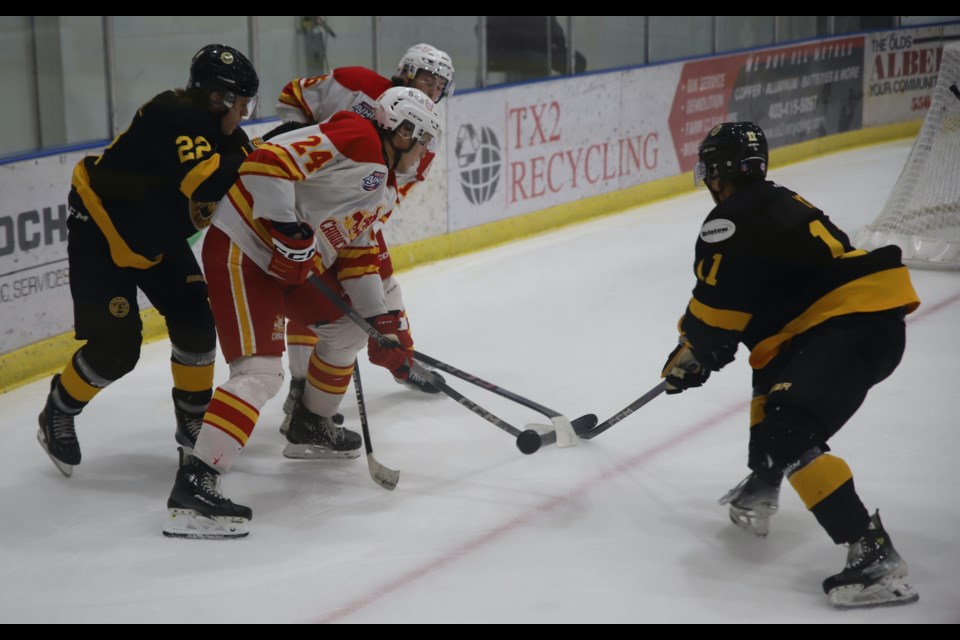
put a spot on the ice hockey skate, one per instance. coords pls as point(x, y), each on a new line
point(754, 501)
point(291, 402)
point(874, 575)
point(58, 435)
point(188, 425)
point(197, 509)
point(314, 437)
point(420, 383)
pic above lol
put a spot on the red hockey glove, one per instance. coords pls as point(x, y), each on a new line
point(394, 356)
point(403, 329)
point(293, 249)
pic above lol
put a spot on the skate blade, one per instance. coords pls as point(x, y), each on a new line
point(314, 452)
point(187, 523)
point(887, 592)
point(756, 521)
point(62, 467)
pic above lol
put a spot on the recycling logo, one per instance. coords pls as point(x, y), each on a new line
point(479, 162)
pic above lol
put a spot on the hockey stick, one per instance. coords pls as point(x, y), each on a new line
point(528, 441)
point(383, 476)
point(629, 409)
point(567, 431)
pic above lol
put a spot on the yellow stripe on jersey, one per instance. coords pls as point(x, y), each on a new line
point(292, 95)
point(121, 254)
point(352, 273)
point(271, 170)
point(819, 479)
point(241, 309)
point(878, 291)
point(354, 252)
point(196, 176)
point(274, 161)
point(240, 200)
point(192, 378)
point(301, 341)
point(243, 203)
point(357, 262)
point(720, 318)
point(76, 386)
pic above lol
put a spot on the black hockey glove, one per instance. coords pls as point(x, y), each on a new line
point(682, 371)
point(284, 128)
point(687, 368)
point(718, 358)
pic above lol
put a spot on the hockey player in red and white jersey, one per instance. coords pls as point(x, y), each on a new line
point(308, 201)
point(314, 99)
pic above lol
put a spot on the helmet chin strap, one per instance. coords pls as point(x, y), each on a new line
point(397, 151)
point(714, 194)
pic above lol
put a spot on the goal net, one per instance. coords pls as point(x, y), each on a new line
point(922, 214)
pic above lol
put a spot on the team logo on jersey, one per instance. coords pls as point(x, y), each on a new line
point(79, 216)
point(478, 161)
point(201, 214)
point(119, 307)
point(717, 230)
point(365, 109)
point(331, 231)
point(373, 181)
point(278, 329)
point(356, 222)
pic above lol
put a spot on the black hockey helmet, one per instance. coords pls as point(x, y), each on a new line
point(217, 67)
point(735, 152)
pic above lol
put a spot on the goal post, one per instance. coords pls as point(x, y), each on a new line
point(922, 213)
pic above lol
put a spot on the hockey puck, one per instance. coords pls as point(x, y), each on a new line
point(528, 442)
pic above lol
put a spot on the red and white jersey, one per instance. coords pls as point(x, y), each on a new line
point(312, 100)
point(356, 89)
point(331, 176)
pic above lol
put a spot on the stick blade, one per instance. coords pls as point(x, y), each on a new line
point(383, 476)
point(584, 423)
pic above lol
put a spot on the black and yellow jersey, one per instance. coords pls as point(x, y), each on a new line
point(770, 265)
point(148, 189)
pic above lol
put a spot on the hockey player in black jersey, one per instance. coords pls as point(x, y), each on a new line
point(823, 323)
point(132, 210)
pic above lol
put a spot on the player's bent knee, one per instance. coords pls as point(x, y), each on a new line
point(786, 433)
point(340, 342)
point(112, 357)
point(257, 378)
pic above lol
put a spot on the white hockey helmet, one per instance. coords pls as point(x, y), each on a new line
point(428, 58)
point(399, 105)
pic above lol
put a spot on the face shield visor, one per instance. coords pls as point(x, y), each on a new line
point(230, 101)
point(703, 172)
point(407, 131)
